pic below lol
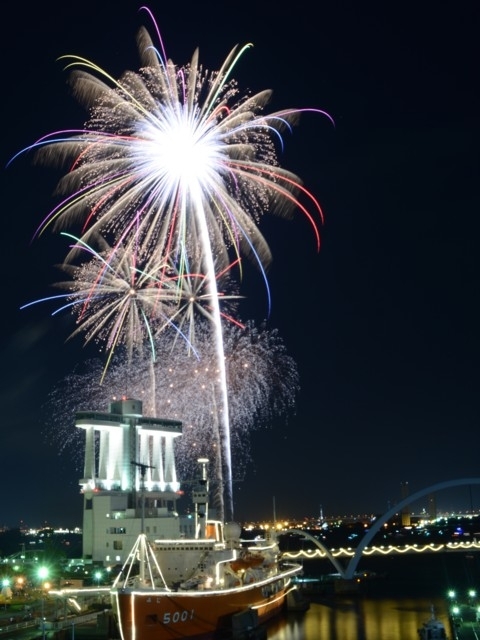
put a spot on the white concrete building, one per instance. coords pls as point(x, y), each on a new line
point(129, 482)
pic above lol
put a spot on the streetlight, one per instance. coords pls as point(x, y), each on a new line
point(98, 576)
point(43, 574)
point(6, 590)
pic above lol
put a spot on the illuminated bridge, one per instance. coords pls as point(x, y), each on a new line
point(363, 549)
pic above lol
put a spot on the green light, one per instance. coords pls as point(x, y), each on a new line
point(43, 573)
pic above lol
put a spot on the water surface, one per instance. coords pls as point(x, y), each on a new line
point(358, 619)
point(392, 606)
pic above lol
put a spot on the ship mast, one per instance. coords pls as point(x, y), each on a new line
point(200, 499)
point(143, 469)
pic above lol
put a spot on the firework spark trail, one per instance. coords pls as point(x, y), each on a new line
point(263, 384)
point(171, 159)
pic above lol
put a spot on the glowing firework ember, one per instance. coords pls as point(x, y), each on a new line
point(175, 161)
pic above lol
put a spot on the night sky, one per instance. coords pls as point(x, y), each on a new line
point(383, 322)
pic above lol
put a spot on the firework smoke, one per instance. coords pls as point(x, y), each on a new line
point(262, 382)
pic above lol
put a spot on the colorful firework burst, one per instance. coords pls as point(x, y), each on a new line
point(175, 161)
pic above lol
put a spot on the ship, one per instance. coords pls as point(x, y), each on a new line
point(213, 585)
point(433, 629)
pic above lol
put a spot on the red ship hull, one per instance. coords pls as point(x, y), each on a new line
point(161, 615)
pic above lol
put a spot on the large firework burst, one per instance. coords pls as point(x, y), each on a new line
point(175, 161)
point(117, 302)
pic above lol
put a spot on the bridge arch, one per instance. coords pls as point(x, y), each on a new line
point(349, 572)
point(304, 534)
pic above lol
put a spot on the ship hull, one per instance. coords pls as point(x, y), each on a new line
point(160, 615)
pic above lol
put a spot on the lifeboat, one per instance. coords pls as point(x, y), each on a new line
point(246, 561)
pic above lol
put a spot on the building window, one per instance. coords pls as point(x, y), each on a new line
point(117, 530)
point(118, 545)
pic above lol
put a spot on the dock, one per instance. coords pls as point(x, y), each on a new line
point(465, 623)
